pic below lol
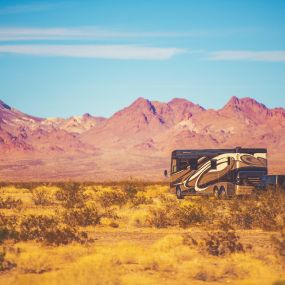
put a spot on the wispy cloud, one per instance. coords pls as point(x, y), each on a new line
point(83, 33)
point(95, 51)
point(268, 56)
point(34, 7)
point(18, 34)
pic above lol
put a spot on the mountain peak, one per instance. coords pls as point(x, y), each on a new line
point(141, 102)
point(234, 101)
point(4, 105)
point(241, 103)
point(179, 101)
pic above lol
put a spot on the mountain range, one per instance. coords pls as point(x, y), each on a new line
point(135, 142)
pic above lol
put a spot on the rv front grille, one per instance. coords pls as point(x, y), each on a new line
point(254, 180)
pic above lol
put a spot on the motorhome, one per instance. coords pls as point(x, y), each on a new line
point(218, 172)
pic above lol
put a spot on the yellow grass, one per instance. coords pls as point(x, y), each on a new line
point(125, 249)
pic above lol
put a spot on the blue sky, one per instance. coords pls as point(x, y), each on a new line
point(63, 58)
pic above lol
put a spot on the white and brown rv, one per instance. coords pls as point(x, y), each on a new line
point(219, 172)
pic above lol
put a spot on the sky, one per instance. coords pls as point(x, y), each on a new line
point(64, 58)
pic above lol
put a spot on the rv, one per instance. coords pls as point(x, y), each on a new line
point(218, 172)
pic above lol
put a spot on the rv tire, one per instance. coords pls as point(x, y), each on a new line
point(216, 192)
point(179, 194)
point(222, 192)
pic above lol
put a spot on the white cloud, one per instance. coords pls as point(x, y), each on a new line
point(274, 56)
point(95, 51)
point(82, 33)
point(89, 33)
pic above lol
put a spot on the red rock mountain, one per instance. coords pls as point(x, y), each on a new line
point(134, 142)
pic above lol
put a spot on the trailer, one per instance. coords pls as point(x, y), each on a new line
point(218, 172)
point(273, 182)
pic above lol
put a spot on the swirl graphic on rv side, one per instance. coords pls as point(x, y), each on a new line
point(204, 176)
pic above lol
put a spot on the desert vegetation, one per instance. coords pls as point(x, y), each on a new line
point(137, 233)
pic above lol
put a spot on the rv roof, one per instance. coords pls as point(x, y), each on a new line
point(195, 152)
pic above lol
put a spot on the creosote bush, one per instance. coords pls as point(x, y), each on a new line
point(71, 195)
point(49, 230)
point(132, 188)
point(111, 197)
point(219, 243)
point(222, 242)
point(189, 214)
point(43, 195)
point(85, 216)
point(10, 203)
point(173, 213)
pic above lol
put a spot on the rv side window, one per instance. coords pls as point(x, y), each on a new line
point(213, 164)
point(229, 161)
point(193, 163)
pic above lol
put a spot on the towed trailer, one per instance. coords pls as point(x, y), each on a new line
point(218, 172)
point(273, 182)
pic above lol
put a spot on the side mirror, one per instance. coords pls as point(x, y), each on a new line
point(165, 173)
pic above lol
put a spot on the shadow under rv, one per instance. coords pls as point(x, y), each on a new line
point(218, 172)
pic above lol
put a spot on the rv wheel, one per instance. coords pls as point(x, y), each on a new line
point(216, 192)
point(222, 193)
point(179, 194)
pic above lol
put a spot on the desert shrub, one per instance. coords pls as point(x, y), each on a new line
point(264, 211)
point(71, 195)
point(34, 227)
point(111, 197)
point(132, 188)
point(8, 226)
point(163, 214)
point(48, 229)
point(10, 203)
point(141, 199)
point(84, 216)
point(63, 234)
point(189, 214)
point(43, 195)
point(243, 220)
point(172, 213)
point(158, 217)
point(222, 242)
point(5, 233)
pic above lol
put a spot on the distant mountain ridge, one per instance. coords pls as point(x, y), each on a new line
point(136, 141)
